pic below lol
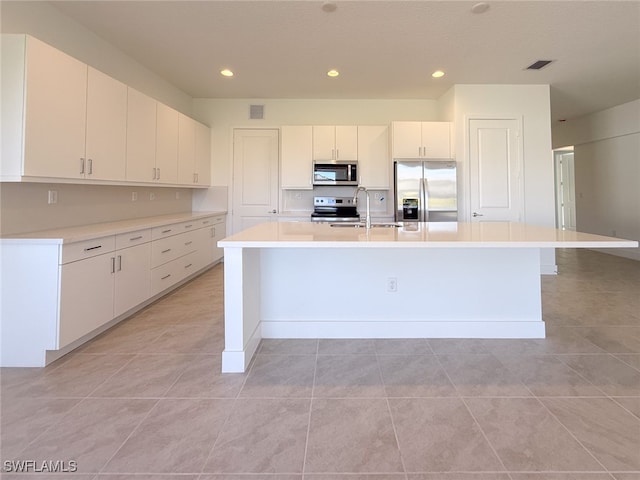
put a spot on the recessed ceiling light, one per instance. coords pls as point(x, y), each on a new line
point(333, 73)
point(437, 74)
point(480, 7)
point(226, 73)
point(329, 7)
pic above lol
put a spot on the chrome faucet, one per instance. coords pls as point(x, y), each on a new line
point(367, 221)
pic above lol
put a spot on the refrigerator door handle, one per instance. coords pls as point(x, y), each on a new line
point(425, 199)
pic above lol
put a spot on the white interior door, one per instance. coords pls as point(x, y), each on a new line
point(565, 191)
point(495, 170)
point(255, 177)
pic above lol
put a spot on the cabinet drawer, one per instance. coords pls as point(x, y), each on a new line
point(169, 274)
point(207, 222)
point(87, 249)
point(165, 231)
point(166, 249)
point(131, 239)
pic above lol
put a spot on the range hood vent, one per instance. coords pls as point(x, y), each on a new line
point(256, 112)
point(539, 64)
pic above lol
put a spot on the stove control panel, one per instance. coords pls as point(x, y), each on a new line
point(332, 201)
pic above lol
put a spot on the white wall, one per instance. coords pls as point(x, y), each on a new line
point(531, 104)
point(607, 171)
point(223, 115)
point(24, 206)
point(47, 23)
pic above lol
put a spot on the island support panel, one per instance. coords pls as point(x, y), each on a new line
point(343, 293)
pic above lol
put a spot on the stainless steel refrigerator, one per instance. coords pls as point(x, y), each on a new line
point(425, 191)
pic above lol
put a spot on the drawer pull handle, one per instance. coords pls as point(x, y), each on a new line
point(187, 266)
point(188, 226)
point(133, 239)
point(92, 248)
point(165, 277)
point(165, 251)
point(187, 243)
point(166, 231)
point(205, 222)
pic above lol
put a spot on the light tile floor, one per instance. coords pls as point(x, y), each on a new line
point(146, 400)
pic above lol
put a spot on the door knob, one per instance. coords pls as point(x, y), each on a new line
point(476, 214)
point(272, 211)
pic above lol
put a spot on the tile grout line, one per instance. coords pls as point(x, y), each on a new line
point(313, 386)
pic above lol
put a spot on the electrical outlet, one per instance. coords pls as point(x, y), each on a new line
point(152, 196)
point(134, 196)
point(52, 198)
point(177, 195)
point(298, 196)
point(392, 284)
point(377, 195)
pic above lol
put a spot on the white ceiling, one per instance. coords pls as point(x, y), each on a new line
point(383, 49)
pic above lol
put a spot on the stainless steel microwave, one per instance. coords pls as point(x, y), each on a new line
point(335, 173)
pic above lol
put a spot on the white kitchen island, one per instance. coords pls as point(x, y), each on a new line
point(425, 280)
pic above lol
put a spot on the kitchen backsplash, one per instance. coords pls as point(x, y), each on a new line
point(302, 200)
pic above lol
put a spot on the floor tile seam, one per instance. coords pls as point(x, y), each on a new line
point(587, 380)
point(568, 430)
point(484, 435)
point(247, 373)
point(625, 408)
point(91, 392)
point(135, 429)
point(45, 430)
point(395, 436)
point(220, 432)
point(313, 386)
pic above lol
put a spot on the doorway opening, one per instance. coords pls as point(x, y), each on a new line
point(565, 188)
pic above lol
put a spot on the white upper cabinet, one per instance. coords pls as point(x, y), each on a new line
point(374, 164)
point(105, 151)
point(194, 152)
point(296, 168)
point(54, 86)
point(186, 150)
point(335, 142)
point(141, 137)
point(421, 140)
point(203, 155)
point(166, 169)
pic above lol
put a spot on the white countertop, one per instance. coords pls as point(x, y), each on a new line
point(417, 235)
point(88, 232)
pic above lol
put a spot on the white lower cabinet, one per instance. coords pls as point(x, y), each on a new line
point(133, 278)
point(83, 286)
point(86, 297)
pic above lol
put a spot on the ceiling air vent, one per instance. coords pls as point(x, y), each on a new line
point(538, 65)
point(256, 112)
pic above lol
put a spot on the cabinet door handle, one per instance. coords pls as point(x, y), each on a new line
point(187, 266)
point(213, 232)
point(154, 173)
point(133, 239)
point(81, 165)
point(119, 262)
point(158, 173)
point(186, 244)
point(165, 251)
point(88, 249)
point(90, 167)
point(166, 231)
point(113, 264)
point(165, 277)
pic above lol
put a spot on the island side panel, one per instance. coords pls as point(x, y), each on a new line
point(441, 292)
point(241, 307)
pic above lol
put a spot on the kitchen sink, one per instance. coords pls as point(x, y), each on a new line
point(362, 225)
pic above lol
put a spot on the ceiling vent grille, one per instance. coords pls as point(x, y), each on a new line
point(538, 65)
point(256, 112)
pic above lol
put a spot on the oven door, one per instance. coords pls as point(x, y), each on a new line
point(335, 173)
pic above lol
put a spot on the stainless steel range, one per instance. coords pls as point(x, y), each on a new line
point(334, 209)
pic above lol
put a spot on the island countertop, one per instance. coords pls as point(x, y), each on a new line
point(417, 235)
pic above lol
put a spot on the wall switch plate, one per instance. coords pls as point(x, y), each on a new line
point(392, 284)
point(52, 198)
point(152, 196)
point(134, 196)
point(177, 195)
